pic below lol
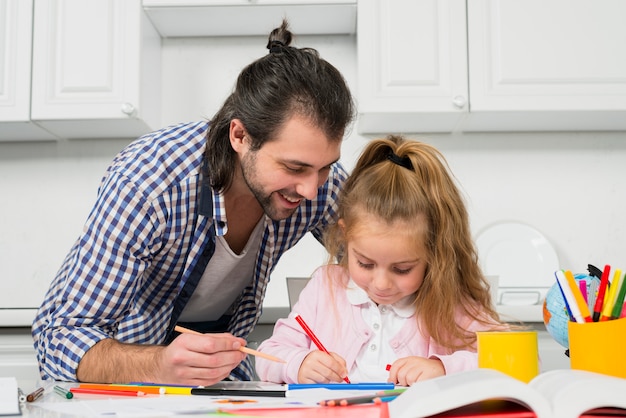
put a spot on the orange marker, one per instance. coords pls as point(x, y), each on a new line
point(578, 297)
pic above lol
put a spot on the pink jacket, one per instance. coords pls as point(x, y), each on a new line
point(339, 325)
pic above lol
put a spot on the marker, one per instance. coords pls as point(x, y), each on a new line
point(63, 392)
point(582, 285)
point(34, 395)
point(597, 309)
point(565, 302)
point(342, 386)
point(579, 300)
point(20, 396)
point(568, 295)
point(619, 300)
point(312, 336)
point(237, 392)
point(611, 295)
point(593, 292)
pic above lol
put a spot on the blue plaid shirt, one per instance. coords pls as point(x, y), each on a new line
point(129, 274)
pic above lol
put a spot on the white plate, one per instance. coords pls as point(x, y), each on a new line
point(518, 254)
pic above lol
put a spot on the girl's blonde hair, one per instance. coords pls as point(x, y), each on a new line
point(398, 179)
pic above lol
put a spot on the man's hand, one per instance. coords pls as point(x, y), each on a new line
point(189, 359)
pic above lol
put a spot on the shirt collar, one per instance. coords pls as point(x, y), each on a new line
point(357, 296)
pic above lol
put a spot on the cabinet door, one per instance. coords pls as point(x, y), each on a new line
point(412, 65)
point(547, 65)
point(96, 68)
point(15, 58)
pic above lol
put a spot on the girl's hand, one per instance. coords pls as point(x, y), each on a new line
point(319, 367)
point(408, 370)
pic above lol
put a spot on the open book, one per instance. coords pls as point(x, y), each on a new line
point(562, 393)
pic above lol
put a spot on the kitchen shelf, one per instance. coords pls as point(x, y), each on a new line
point(193, 18)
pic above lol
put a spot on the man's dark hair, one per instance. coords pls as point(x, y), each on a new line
point(286, 82)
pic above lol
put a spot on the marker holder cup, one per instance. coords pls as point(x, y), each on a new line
point(598, 346)
point(514, 353)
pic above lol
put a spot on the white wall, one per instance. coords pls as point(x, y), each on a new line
point(567, 185)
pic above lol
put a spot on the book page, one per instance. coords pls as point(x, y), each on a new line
point(573, 392)
point(452, 391)
point(9, 403)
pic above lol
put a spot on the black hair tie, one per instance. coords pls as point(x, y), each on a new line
point(275, 46)
point(401, 161)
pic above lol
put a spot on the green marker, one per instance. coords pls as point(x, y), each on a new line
point(63, 392)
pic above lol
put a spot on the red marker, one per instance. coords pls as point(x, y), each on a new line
point(604, 281)
point(313, 338)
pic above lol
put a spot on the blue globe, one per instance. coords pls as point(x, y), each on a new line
point(555, 316)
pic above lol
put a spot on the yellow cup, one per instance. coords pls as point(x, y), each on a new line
point(515, 353)
point(598, 346)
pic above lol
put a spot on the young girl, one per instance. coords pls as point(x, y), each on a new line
point(407, 295)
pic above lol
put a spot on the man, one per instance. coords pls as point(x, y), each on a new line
point(188, 225)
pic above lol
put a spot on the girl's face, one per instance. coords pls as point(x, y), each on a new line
point(384, 259)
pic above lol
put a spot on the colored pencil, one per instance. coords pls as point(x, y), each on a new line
point(314, 338)
point(246, 350)
point(107, 392)
point(156, 390)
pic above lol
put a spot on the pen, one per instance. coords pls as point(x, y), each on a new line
point(342, 386)
point(106, 392)
point(313, 338)
point(34, 395)
point(246, 350)
point(597, 309)
point(63, 392)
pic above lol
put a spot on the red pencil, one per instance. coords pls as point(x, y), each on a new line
point(313, 338)
point(108, 392)
point(597, 308)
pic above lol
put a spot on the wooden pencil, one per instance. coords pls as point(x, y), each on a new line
point(246, 350)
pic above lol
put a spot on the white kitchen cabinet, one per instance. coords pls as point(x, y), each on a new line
point(527, 66)
point(15, 64)
point(412, 65)
point(174, 18)
point(96, 69)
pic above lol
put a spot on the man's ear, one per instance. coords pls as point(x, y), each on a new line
point(237, 135)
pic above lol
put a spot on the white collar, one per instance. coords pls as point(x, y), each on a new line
point(357, 296)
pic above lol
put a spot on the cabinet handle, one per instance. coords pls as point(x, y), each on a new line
point(459, 102)
point(128, 109)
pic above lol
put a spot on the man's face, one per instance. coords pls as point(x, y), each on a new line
point(289, 168)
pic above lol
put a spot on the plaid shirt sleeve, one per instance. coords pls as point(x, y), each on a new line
point(122, 275)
